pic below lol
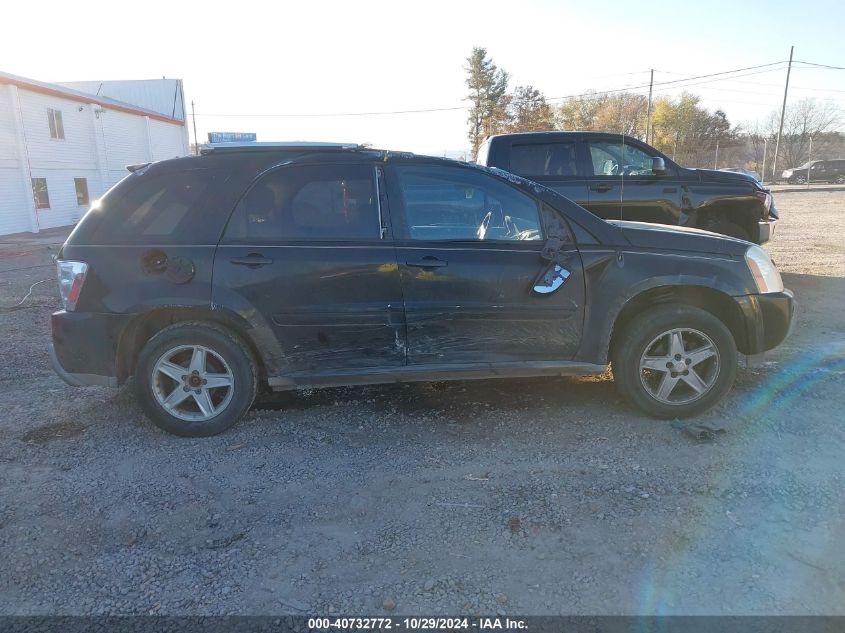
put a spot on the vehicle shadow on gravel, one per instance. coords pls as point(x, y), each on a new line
point(452, 396)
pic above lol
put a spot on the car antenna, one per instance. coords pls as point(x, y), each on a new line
point(622, 185)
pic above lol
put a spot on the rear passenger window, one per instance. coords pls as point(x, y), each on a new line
point(158, 209)
point(549, 159)
point(306, 203)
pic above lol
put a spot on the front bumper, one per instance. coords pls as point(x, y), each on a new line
point(766, 320)
point(84, 348)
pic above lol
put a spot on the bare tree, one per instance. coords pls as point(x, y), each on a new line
point(805, 120)
point(621, 112)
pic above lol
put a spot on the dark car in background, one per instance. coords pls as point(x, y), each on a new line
point(301, 266)
point(817, 171)
point(618, 177)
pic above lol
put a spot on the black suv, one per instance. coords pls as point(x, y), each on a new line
point(320, 265)
point(817, 171)
point(618, 177)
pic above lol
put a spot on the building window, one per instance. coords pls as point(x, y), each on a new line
point(39, 192)
point(81, 191)
point(54, 118)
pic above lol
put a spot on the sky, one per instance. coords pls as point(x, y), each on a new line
point(245, 64)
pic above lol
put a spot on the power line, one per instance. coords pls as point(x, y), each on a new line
point(662, 87)
point(337, 114)
point(454, 108)
point(690, 80)
point(828, 66)
point(759, 83)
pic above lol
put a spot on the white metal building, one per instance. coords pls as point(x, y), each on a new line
point(62, 147)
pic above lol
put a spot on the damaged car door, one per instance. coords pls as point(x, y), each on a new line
point(307, 257)
point(488, 273)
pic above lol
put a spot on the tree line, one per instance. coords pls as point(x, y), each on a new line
point(680, 126)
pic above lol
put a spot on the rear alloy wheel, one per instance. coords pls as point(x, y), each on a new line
point(195, 379)
point(675, 361)
point(840, 180)
point(192, 382)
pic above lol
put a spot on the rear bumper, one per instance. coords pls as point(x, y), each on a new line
point(79, 380)
point(84, 348)
point(767, 320)
point(766, 230)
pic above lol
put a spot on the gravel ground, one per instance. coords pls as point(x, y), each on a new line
point(516, 497)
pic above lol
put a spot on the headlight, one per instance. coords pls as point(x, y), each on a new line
point(766, 276)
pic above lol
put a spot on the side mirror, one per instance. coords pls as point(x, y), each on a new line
point(658, 166)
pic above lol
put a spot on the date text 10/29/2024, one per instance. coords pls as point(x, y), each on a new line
point(416, 624)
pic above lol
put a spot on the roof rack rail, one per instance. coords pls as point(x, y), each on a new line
point(252, 146)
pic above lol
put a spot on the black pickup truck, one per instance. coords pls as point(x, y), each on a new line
point(618, 177)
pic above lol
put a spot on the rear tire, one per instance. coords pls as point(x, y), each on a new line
point(840, 180)
point(195, 379)
point(697, 375)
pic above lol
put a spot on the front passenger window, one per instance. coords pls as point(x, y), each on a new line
point(461, 204)
point(615, 158)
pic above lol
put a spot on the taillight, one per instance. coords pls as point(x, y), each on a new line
point(765, 197)
point(71, 277)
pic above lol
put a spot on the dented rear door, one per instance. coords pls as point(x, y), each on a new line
point(307, 261)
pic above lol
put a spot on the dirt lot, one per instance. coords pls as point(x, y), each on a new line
point(521, 497)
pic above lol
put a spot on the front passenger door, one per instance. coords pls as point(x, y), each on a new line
point(623, 186)
point(469, 252)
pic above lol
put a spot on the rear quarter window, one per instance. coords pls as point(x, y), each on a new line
point(173, 207)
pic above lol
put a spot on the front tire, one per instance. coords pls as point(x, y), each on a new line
point(195, 379)
point(675, 361)
point(840, 180)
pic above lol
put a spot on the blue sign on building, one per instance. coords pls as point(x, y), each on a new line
point(230, 137)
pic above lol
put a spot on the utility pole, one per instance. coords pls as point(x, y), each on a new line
point(196, 140)
point(716, 161)
point(648, 115)
point(782, 114)
point(763, 171)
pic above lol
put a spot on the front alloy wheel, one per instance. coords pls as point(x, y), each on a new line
point(679, 366)
point(674, 360)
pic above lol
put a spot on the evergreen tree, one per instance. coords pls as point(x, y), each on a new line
point(487, 87)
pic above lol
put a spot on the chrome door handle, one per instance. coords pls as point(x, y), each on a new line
point(253, 260)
